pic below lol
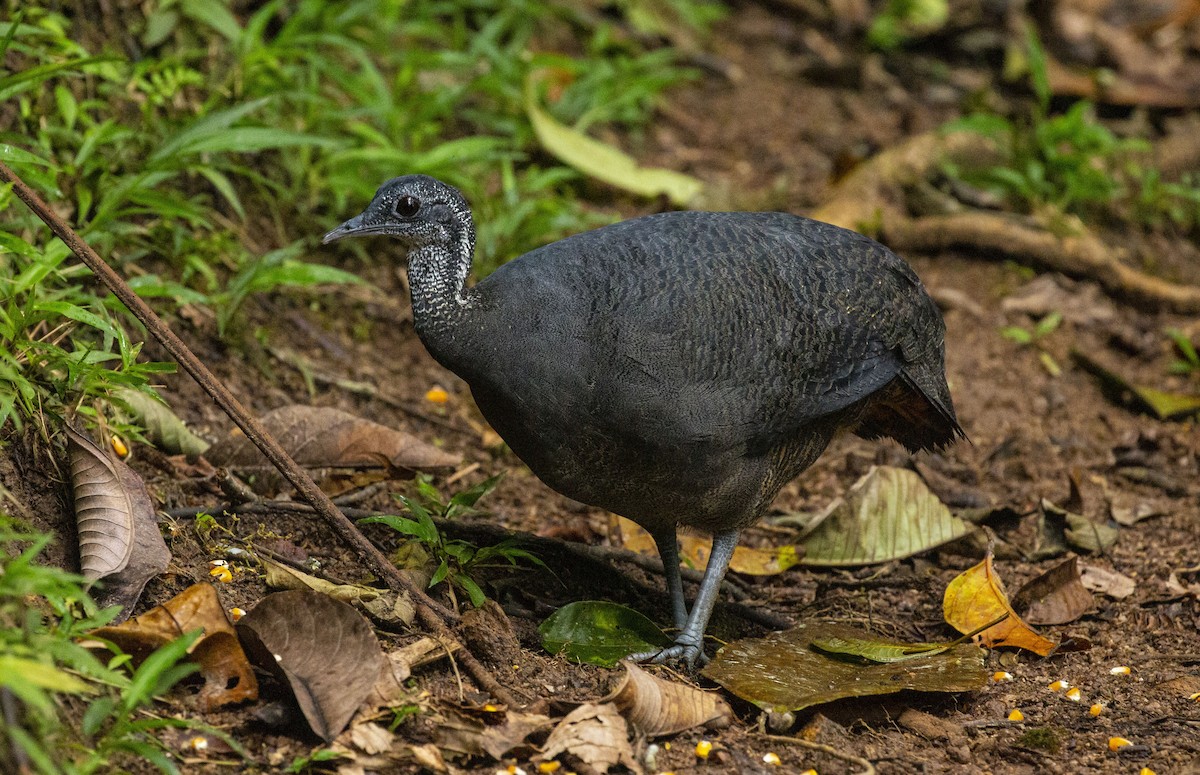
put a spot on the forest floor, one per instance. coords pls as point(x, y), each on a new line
point(795, 118)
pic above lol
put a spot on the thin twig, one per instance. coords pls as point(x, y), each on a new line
point(868, 768)
point(253, 429)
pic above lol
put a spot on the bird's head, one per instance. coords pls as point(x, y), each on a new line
point(418, 210)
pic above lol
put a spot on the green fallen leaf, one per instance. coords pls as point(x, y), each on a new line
point(870, 650)
point(1080, 532)
point(603, 162)
point(881, 650)
point(887, 515)
point(1159, 403)
point(599, 633)
point(163, 427)
point(784, 671)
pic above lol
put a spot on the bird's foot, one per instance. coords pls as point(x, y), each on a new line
point(686, 652)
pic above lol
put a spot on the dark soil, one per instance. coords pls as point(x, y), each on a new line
point(777, 137)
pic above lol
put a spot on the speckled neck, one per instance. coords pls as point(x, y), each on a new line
point(444, 307)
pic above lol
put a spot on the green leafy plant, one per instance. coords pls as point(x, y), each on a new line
point(43, 612)
point(1032, 337)
point(455, 559)
point(1188, 361)
point(1069, 161)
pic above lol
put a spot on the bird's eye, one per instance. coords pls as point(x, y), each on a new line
point(407, 206)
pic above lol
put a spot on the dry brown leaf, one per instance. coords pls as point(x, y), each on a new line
point(396, 667)
point(324, 437)
point(975, 597)
point(471, 736)
point(657, 707)
point(228, 677)
point(1107, 582)
point(324, 649)
point(595, 734)
point(1058, 596)
point(119, 539)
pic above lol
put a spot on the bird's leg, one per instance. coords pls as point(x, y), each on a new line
point(668, 549)
point(689, 643)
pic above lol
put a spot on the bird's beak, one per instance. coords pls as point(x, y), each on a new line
point(348, 229)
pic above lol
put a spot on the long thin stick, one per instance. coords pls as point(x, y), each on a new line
point(430, 612)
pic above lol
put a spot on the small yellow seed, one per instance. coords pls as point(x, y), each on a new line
point(1059, 685)
point(437, 395)
point(1001, 675)
point(1145, 771)
point(221, 574)
point(490, 708)
point(1195, 696)
point(1120, 670)
point(548, 767)
point(809, 772)
point(703, 749)
point(1117, 743)
point(1016, 715)
point(198, 743)
point(1074, 695)
point(771, 758)
point(119, 447)
point(1096, 709)
point(236, 613)
point(666, 746)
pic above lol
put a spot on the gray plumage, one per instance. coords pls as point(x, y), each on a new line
point(677, 369)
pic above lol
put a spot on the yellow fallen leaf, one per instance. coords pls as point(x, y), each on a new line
point(975, 597)
point(694, 551)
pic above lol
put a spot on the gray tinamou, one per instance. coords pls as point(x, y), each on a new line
point(680, 368)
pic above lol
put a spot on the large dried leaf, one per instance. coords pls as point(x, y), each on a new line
point(119, 540)
point(597, 735)
point(888, 514)
point(658, 707)
point(599, 633)
point(1058, 596)
point(470, 736)
point(976, 597)
point(783, 672)
point(694, 551)
point(383, 604)
point(163, 427)
point(603, 162)
point(323, 648)
point(228, 677)
point(323, 437)
point(1119, 390)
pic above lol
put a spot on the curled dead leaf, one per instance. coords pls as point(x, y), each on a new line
point(321, 647)
point(976, 597)
point(1058, 596)
point(657, 707)
point(119, 539)
point(228, 677)
point(384, 605)
point(595, 734)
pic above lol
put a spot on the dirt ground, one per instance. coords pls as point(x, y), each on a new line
point(777, 137)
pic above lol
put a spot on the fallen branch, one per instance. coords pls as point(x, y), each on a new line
point(296, 476)
point(1083, 256)
point(868, 768)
